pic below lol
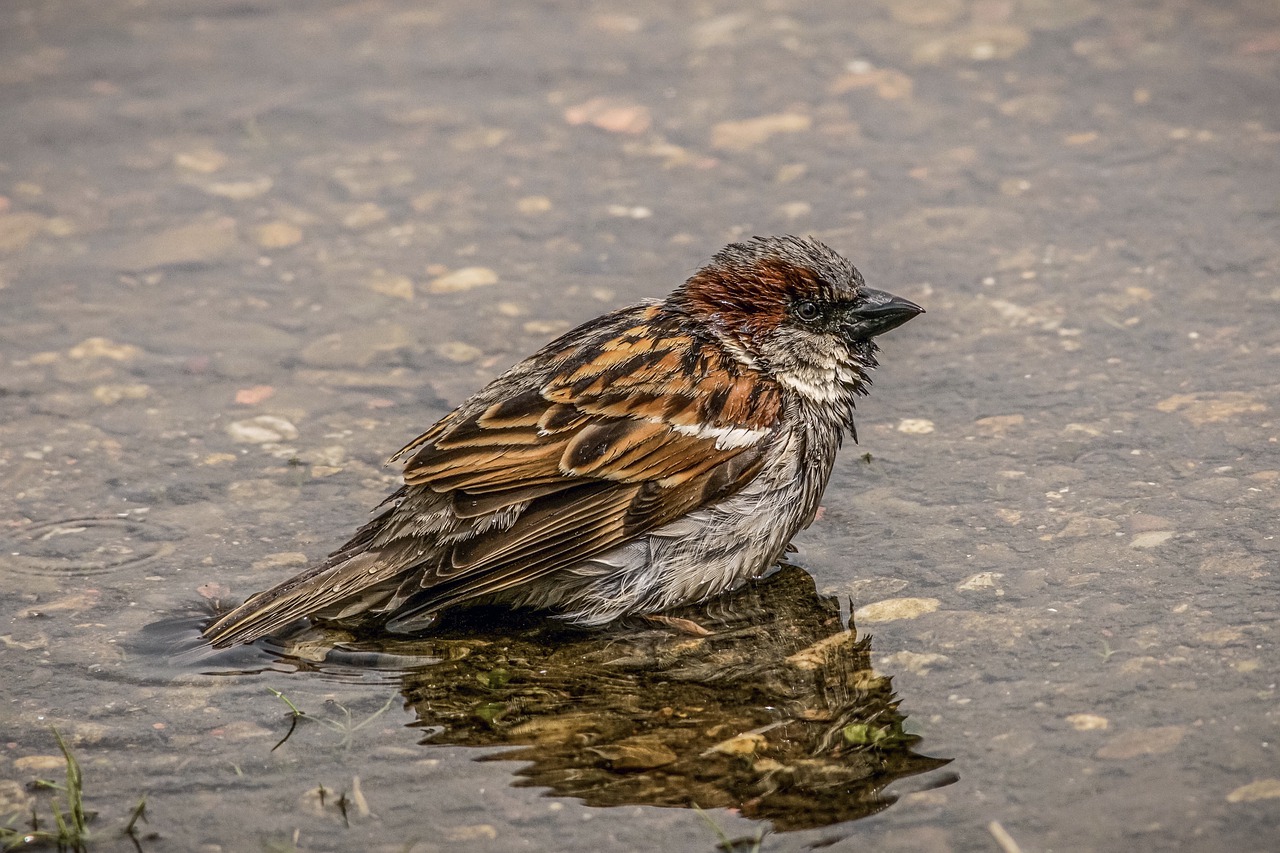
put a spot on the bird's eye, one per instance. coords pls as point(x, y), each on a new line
point(808, 310)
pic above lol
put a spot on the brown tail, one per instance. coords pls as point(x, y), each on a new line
point(341, 586)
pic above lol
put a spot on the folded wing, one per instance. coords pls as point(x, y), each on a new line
point(541, 470)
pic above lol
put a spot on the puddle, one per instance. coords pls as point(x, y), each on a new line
point(778, 715)
point(247, 252)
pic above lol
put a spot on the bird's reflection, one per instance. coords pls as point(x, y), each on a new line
point(777, 712)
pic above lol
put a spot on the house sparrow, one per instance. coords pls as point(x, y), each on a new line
point(652, 457)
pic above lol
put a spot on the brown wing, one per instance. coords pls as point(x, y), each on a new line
point(629, 434)
point(610, 432)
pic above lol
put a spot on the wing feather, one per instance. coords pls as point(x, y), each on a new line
point(624, 425)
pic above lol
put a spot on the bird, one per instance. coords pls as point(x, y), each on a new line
point(653, 457)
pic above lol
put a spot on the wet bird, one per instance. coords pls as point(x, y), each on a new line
point(650, 458)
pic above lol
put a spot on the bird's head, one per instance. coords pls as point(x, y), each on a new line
point(797, 311)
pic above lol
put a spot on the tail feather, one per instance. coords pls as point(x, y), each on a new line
point(353, 583)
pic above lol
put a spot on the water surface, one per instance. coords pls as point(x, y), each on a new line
point(249, 249)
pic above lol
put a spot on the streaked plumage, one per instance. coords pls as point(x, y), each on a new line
point(654, 456)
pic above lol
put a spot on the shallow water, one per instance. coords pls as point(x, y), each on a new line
point(247, 250)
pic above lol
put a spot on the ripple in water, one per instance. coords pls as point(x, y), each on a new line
point(83, 546)
point(173, 649)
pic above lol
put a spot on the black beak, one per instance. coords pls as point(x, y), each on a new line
point(876, 313)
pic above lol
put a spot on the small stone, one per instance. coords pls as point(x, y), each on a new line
point(358, 799)
point(202, 160)
point(1078, 139)
point(1233, 564)
point(532, 204)
point(262, 495)
point(464, 279)
point(1141, 522)
point(19, 229)
point(795, 209)
point(1137, 665)
point(425, 202)
point(545, 327)
point(28, 763)
point(397, 286)
point(364, 215)
point(109, 395)
point(479, 138)
point(889, 84)
point(917, 663)
point(1262, 789)
point(366, 178)
point(278, 235)
point(60, 226)
point(926, 13)
point(264, 429)
point(218, 459)
point(1088, 722)
point(242, 730)
point(91, 348)
point(893, 609)
point(255, 395)
point(719, 30)
point(75, 602)
point(629, 212)
point(357, 347)
point(332, 455)
point(1221, 636)
point(976, 44)
point(915, 426)
point(240, 190)
point(748, 133)
point(866, 588)
point(1153, 741)
point(14, 798)
point(1203, 409)
point(214, 591)
point(1014, 187)
point(475, 832)
point(459, 352)
point(314, 800)
point(997, 425)
point(1150, 539)
point(982, 580)
point(281, 559)
point(618, 24)
point(611, 115)
point(193, 243)
point(1083, 526)
point(791, 172)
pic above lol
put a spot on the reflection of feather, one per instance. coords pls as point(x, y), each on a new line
point(750, 717)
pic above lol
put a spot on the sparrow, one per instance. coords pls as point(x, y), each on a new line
point(652, 457)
